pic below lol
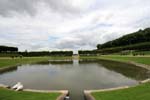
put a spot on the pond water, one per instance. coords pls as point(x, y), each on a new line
point(74, 76)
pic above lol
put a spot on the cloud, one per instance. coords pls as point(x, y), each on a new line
point(69, 24)
point(7, 7)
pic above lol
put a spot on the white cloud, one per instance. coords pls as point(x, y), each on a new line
point(69, 24)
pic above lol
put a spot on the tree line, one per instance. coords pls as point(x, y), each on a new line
point(133, 38)
point(13, 52)
point(136, 47)
point(8, 49)
point(47, 53)
point(87, 52)
point(137, 41)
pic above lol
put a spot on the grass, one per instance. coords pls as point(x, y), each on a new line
point(141, 92)
point(133, 52)
point(145, 52)
point(141, 59)
point(138, 59)
point(7, 62)
point(6, 94)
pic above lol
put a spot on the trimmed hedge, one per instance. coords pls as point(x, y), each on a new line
point(8, 49)
point(140, 46)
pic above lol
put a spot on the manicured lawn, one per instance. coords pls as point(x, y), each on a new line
point(7, 62)
point(6, 94)
point(141, 92)
point(137, 59)
point(142, 60)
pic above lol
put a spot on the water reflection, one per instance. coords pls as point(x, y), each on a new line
point(125, 69)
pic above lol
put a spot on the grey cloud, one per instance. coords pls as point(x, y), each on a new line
point(68, 44)
point(30, 6)
point(110, 36)
point(85, 40)
point(143, 22)
point(62, 6)
point(19, 6)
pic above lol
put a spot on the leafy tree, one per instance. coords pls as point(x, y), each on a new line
point(133, 38)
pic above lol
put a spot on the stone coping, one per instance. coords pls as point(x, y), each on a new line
point(5, 69)
point(140, 65)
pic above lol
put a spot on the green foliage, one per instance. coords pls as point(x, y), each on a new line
point(61, 53)
point(47, 53)
point(32, 54)
point(8, 49)
point(9, 54)
point(134, 38)
point(140, 46)
point(87, 52)
point(36, 54)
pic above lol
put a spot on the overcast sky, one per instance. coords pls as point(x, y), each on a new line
point(69, 24)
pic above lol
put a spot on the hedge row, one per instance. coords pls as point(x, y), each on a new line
point(35, 54)
point(47, 53)
point(8, 49)
point(140, 46)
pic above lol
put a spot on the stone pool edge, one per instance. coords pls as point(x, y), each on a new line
point(64, 93)
point(5, 69)
point(88, 93)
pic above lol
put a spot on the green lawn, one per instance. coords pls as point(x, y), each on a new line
point(137, 59)
point(133, 52)
point(7, 62)
point(6, 94)
point(141, 92)
point(141, 59)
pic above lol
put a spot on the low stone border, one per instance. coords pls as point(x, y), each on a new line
point(5, 69)
point(140, 65)
point(88, 96)
point(64, 93)
point(145, 81)
point(4, 86)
